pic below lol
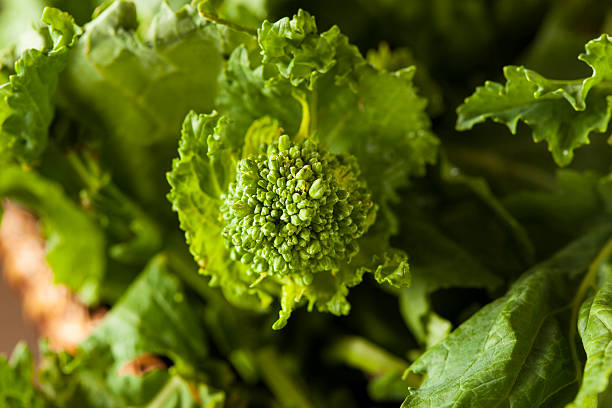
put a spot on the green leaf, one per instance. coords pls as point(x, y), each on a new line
point(480, 187)
point(595, 325)
point(154, 317)
point(376, 116)
point(17, 388)
point(563, 113)
point(513, 351)
point(131, 88)
point(436, 262)
point(75, 244)
point(26, 101)
point(198, 178)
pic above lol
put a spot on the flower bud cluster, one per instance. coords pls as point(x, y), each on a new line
point(295, 210)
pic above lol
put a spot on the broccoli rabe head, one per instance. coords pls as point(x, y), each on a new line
point(296, 210)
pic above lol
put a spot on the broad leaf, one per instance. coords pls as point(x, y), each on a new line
point(514, 351)
point(75, 243)
point(132, 87)
point(595, 325)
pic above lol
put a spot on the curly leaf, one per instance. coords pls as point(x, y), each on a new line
point(198, 178)
point(26, 101)
point(563, 113)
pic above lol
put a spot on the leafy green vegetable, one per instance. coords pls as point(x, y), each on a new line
point(286, 194)
point(136, 326)
point(17, 381)
point(513, 350)
point(375, 116)
point(26, 107)
point(308, 178)
point(75, 244)
point(134, 86)
point(561, 112)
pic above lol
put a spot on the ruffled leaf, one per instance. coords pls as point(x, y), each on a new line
point(26, 101)
point(563, 113)
point(198, 178)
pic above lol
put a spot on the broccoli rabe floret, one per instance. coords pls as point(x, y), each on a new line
point(296, 210)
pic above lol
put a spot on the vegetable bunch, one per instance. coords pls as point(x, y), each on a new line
point(333, 230)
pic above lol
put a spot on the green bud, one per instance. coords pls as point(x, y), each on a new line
point(286, 214)
point(304, 174)
point(284, 143)
point(269, 228)
point(305, 214)
point(240, 210)
point(317, 189)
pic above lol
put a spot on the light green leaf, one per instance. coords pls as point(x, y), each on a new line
point(595, 325)
point(514, 351)
point(563, 113)
point(131, 89)
point(75, 244)
point(154, 317)
point(26, 101)
point(17, 388)
point(198, 178)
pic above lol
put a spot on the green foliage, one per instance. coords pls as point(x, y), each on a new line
point(154, 317)
point(310, 187)
point(75, 244)
point(514, 349)
point(375, 116)
point(562, 113)
point(26, 100)
point(594, 326)
point(134, 85)
point(17, 381)
point(301, 65)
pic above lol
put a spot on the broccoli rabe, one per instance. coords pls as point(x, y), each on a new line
point(296, 210)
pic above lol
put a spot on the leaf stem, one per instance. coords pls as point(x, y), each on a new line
point(288, 392)
point(373, 360)
point(587, 282)
point(219, 20)
point(304, 130)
